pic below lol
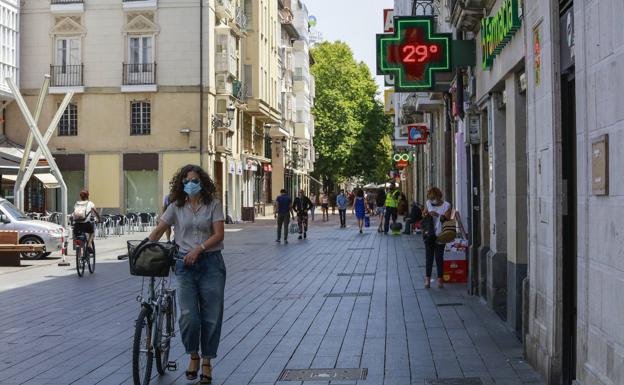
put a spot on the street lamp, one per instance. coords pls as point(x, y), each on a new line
point(217, 121)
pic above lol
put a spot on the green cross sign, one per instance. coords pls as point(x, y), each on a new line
point(413, 53)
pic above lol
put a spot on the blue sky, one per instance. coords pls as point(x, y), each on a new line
point(356, 22)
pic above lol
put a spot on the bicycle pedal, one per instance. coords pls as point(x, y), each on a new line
point(172, 366)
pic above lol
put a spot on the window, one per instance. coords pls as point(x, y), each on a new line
point(67, 51)
point(140, 53)
point(140, 118)
point(68, 125)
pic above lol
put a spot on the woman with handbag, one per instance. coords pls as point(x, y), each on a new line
point(199, 225)
point(438, 210)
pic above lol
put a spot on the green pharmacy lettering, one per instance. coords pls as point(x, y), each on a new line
point(413, 53)
point(498, 30)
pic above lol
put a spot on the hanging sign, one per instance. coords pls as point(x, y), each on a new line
point(417, 134)
point(232, 167)
point(402, 158)
point(413, 53)
point(239, 168)
point(498, 30)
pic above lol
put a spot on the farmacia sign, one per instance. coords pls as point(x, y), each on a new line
point(498, 30)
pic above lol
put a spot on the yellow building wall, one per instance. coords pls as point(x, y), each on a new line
point(104, 173)
point(171, 163)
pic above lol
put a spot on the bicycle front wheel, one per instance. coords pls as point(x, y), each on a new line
point(80, 262)
point(142, 352)
point(165, 332)
point(91, 260)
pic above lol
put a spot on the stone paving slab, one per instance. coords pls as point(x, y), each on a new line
point(284, 309)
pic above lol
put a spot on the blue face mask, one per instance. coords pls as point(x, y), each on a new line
point(192, 189)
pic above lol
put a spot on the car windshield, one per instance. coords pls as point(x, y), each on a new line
point(13, 211)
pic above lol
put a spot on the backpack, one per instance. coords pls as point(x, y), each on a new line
point(80, 211)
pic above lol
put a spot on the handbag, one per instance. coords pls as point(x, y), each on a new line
point(427, 226)
point(293, 228)
point(449, 230)
point(151, 259)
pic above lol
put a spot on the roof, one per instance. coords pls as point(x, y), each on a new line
point(11, 155)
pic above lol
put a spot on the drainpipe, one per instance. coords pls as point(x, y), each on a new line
point(201, 83)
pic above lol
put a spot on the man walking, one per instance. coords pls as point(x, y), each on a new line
point(392, 202)
point(283, 212)
point(302, 205)
point(342, 202)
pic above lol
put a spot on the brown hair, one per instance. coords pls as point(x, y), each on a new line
point(84, 194)
point(434, 193)
point(177, 193)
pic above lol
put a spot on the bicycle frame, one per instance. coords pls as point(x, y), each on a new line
point(158, 294)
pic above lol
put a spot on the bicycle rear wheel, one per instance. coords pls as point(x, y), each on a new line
point(165, 324)
point(80, 262)
point(91, 259)
point(142, 353)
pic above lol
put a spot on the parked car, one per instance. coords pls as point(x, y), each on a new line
point(31, 231)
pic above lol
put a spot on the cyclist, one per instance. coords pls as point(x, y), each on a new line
point(84, 213)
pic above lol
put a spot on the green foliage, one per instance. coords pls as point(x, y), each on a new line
point(352, 134)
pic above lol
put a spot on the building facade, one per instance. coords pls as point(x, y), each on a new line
point(522, 143)
point(158, 84)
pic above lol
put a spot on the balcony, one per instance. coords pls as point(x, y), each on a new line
point(239, 25)
point(139, 77)
point(223, 85)
point(301, 83)
point(467, 15)
point(225, 9)
point(66, 78)
point(302, 131)
point(140, 4)
point(66, 6)
point(226, 64)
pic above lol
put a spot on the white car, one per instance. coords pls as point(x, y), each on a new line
point(31, 231)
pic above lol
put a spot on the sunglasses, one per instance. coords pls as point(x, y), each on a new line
point(194, 181)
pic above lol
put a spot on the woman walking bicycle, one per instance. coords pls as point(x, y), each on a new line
point(199, 224)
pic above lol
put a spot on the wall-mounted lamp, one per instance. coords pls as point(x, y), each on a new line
point(217, 121)
point(185, 130)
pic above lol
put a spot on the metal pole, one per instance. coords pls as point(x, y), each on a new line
point(40, 141)
point(17, 191)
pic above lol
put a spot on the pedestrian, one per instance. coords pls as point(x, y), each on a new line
point(83, 216)
point(283, 211)
point(332, 202)
point(359, 206)
point(380, 202)
point(439, 210)
point(313, 199)
point(341, 201)
point(302, 205)
point(415, 216)
point(199, 224)
point(392, 202)
point(325, 206)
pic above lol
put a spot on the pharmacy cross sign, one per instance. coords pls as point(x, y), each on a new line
point(413, 53)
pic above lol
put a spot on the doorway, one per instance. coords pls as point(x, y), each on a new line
point(569, 239)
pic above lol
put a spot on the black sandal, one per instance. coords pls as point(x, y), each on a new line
point(191, 375)
point(206, 376)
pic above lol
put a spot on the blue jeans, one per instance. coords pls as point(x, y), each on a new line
point(200, 295)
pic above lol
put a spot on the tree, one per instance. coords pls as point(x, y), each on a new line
point(352, 134)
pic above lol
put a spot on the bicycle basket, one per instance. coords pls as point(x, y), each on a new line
point(150, 259)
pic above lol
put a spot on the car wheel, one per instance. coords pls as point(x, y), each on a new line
point(45, 255)
point(32, 240)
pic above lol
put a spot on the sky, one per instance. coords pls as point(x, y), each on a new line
point(355, 22)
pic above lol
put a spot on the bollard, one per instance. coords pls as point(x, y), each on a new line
point(63, 253)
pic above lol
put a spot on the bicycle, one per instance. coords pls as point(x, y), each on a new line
point(83, 255)
point(154, 326)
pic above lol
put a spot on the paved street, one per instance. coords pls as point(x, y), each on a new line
point(61, 329)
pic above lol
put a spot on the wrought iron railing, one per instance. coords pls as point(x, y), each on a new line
point(425, 8)
point(239, 90)
point(139, 74)
point(66, 75)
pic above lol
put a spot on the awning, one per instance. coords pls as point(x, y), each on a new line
point(48, 180)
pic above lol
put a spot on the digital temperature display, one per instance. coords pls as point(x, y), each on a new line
point(413, 53)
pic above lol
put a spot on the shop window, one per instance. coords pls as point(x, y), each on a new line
point(141, 191)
